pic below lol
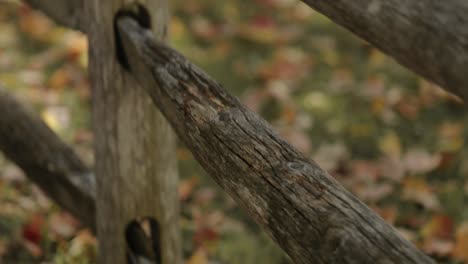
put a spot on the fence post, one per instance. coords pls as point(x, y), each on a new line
point(136, 169)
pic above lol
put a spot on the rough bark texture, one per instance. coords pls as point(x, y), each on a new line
point(429, 37)
point(136, 168)
point(312, 217)
point(66, 12)
point(46, 160)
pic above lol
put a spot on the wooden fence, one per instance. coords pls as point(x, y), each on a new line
point(311, 216)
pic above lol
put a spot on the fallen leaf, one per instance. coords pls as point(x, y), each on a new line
point(186, 188)
point(420, 161)
point(199, 257)
point(35, 24)
point(31, 231)
point(84, 243)
point(63, 224)
point(460, 250)
point(59, 79)
point(418, 190)
point(440, 226)
point(438, 247)
point(390, 145)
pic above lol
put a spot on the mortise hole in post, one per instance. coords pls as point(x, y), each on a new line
point(141, 15)
point(143, 239)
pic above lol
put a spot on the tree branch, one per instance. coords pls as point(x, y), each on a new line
point(429, 37)
point(68, 13)
point(311, 216)
point(46, 160)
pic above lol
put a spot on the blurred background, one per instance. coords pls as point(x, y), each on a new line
point(394, 140)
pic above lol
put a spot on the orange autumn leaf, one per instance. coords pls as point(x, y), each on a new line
point(35, 24)
point(199, 257)
point(461, 243)
point(440, 226)
point(186, 188)
point(59, 79)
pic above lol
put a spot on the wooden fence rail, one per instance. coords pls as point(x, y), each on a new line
point(429, 37)
point(311, 216)
point(27, 141)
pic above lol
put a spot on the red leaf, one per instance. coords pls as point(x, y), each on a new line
point(32, 229)
point(205, 235)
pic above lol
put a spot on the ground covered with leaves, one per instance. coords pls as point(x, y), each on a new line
point(394, 140)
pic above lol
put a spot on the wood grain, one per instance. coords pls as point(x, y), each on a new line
point(136, 167)
point(46, 160)
point(429, 37)
point(309, 214)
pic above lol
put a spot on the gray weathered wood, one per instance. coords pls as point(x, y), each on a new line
point(429, 37)
point(136, 168)
point(311, 216)
point(46, 160)
point(66, 12)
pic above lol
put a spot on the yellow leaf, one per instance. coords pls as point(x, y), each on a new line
point(390, 145)
point(178, 30)
point(199, 257)
point(461, 243)
point(50, 120)
point(376, 58)
point(378, 105)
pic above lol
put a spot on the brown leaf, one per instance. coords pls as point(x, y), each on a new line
point(461, 243)
point(390, 145)
point(205, 235)
point(391, 168)
point(35, 24)
point(374, 192)
point(33, 248)
point(438, 247)
point(204, 196)
point(199, 257)
point(389, 214)
point(440, 226)
point(186, 188)
point(418, 190)
point(59, 79)
point(63, 224)
point(408, 107)
point(420, 161)
point(330, 155)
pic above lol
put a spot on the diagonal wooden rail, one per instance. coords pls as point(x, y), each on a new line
point(47, 161)
point(430, 37)
point(311, 216)
point(69, 13)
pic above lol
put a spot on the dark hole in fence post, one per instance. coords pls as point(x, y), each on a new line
point(142, 16)
point(143, 239)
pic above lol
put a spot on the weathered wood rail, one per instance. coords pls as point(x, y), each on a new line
point(311, 216)
point(47, 161)
point(429, 37)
